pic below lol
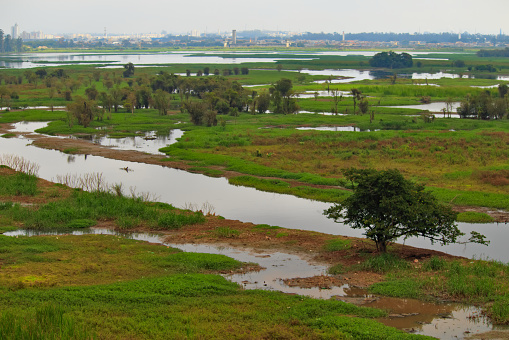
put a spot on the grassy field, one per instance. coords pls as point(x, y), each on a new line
point(108, 287)
point(105, 286)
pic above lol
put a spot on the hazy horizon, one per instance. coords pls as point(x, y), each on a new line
point(131, 17)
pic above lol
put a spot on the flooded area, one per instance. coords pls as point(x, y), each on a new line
point(181, 188)
point(436, 107)
point(442, 320)
point(30, 60)
point(150, 142)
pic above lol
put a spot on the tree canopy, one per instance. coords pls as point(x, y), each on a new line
point(388, 206)
point(391, 60)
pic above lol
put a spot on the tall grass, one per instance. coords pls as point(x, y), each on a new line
point(82, 208)
point(19, 184)
point(47, 322)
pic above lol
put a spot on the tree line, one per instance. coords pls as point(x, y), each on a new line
point(8, 44)
point(486, 105)
point(202, 97)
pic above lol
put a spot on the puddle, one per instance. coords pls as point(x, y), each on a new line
point(441, 320)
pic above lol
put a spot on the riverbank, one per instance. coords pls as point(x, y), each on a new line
point(84, 147)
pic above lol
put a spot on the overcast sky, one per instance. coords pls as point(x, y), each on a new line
point(182, 16)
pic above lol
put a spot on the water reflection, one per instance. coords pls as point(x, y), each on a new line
point(150, 142)
point(181, 188)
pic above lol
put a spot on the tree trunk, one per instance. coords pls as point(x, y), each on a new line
point(381, 246)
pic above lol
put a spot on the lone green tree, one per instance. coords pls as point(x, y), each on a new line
point(388, 206)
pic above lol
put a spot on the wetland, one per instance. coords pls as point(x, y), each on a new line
point(256, 186)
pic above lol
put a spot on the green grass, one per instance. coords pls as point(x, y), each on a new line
point(19, 184)
point(165, 294)
point(337, 245)
point(474, 217)
point(226, 232)
point(84, 209)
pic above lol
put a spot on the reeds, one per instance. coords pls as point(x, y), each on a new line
point(19, 164)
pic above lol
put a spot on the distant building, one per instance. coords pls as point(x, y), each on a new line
point(15, 31)
point(234, 37)
point(195, 33)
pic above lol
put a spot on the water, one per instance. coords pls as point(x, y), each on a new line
point(31, 60)
point(431, 107)
point(181, 188)
point(149, 143)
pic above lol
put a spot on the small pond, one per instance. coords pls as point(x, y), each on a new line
point(150, 142)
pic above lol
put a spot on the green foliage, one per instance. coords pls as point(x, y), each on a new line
point(46, 322)
point(19, 184)
point(384, 263)
point(184, 262)
point(81, 223)
point(84, 208)
point(474, 217)
point(391, 60)
point(388, 207)
point(434, 263)
point(173, 220)
point(404, 288)
point(226, 232)
point(337, 245)
point(362, 329)
point(336, 269)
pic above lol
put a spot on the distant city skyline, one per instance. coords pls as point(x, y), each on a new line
point(131, 17)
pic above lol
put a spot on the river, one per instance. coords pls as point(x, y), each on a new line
point(181, 188)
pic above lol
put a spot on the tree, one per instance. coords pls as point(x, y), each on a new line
point(83, 110)
point(1, 41)
point(129, 70)
point(356, 95)
point(162, 101)
point(283, 97)
point(388, 206)
point(391, 60)
point(263, 103)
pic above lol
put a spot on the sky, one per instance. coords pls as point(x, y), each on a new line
point(211, 16)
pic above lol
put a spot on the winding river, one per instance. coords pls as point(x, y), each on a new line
point(181, 188)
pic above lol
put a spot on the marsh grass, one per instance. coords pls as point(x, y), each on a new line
point(109, 287)
point(474, 217)
point(383, 263)
point(19, 184)
point(46, 322)
point(337, 245)
point(226, 232)
point(86, 208)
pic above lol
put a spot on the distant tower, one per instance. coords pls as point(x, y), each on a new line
point(105, 34)
point(343, 35)
point(459, 36)
point(234, 37)
point(15, 31)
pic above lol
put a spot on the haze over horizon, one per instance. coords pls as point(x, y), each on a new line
point(150, 16)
